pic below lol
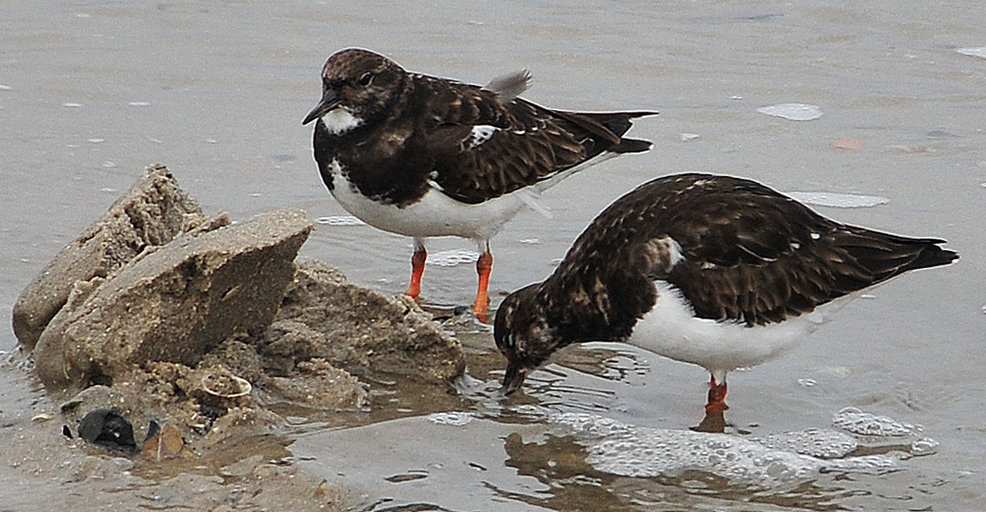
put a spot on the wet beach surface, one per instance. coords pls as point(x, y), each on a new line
point(92, 93)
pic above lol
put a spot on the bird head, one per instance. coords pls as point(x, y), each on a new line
point(357, 86)
point(522, 335)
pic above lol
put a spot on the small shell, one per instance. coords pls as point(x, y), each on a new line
point(225, 385)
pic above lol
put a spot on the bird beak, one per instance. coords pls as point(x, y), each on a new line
point(513, 379)
point(328, 102)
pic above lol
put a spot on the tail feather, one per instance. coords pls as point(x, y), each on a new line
point(886, 255)
point(619, 123)
point(608, 126)
point(631, 146)
point(616, 122)
point(931, 256)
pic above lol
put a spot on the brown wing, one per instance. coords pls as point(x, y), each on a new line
point(740, 252)
point(483, 148)
point(755, 256)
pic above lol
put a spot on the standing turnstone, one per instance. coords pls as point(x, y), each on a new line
point(717, 271)
point(423, 156)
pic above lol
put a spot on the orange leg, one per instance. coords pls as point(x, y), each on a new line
point(715, 420)
point(717, 397)
point(417, 268)
point(483, 267)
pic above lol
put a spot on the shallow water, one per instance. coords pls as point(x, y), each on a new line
point(91, 93)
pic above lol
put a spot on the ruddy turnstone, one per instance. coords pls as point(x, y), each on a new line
point(423, 156)
point(717, 271)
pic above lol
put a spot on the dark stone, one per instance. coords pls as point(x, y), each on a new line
point(106, 427)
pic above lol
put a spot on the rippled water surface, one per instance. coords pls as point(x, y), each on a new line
point(91, 92)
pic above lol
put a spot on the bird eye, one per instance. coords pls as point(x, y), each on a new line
point(366, 79)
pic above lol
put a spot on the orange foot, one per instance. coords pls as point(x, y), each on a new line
point(483, 267)
point(417, 269)
point(715, 420)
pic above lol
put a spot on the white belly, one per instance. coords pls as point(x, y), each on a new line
point(670, 330)
point(435, 215)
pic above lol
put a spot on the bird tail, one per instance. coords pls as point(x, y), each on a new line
point(931, 256)
point(619, 123)
point(609, 126)
point(631, 146)
point(886, 255)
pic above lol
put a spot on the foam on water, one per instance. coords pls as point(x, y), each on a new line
point(792, 111)
point(822, 444)
point(867, 424)
point(452, 258)
point(836, 200)
point(340, 220)
point(924, 446)
point(454, 418)
point(627, 450)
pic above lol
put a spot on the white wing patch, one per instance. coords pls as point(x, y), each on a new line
point(480, 134)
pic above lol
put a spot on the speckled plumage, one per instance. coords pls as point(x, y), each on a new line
point(417, 129)
point(424, 156)
point(738, 256)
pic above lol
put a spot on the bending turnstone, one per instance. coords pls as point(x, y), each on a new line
point(423, 156)
point(717, 271)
